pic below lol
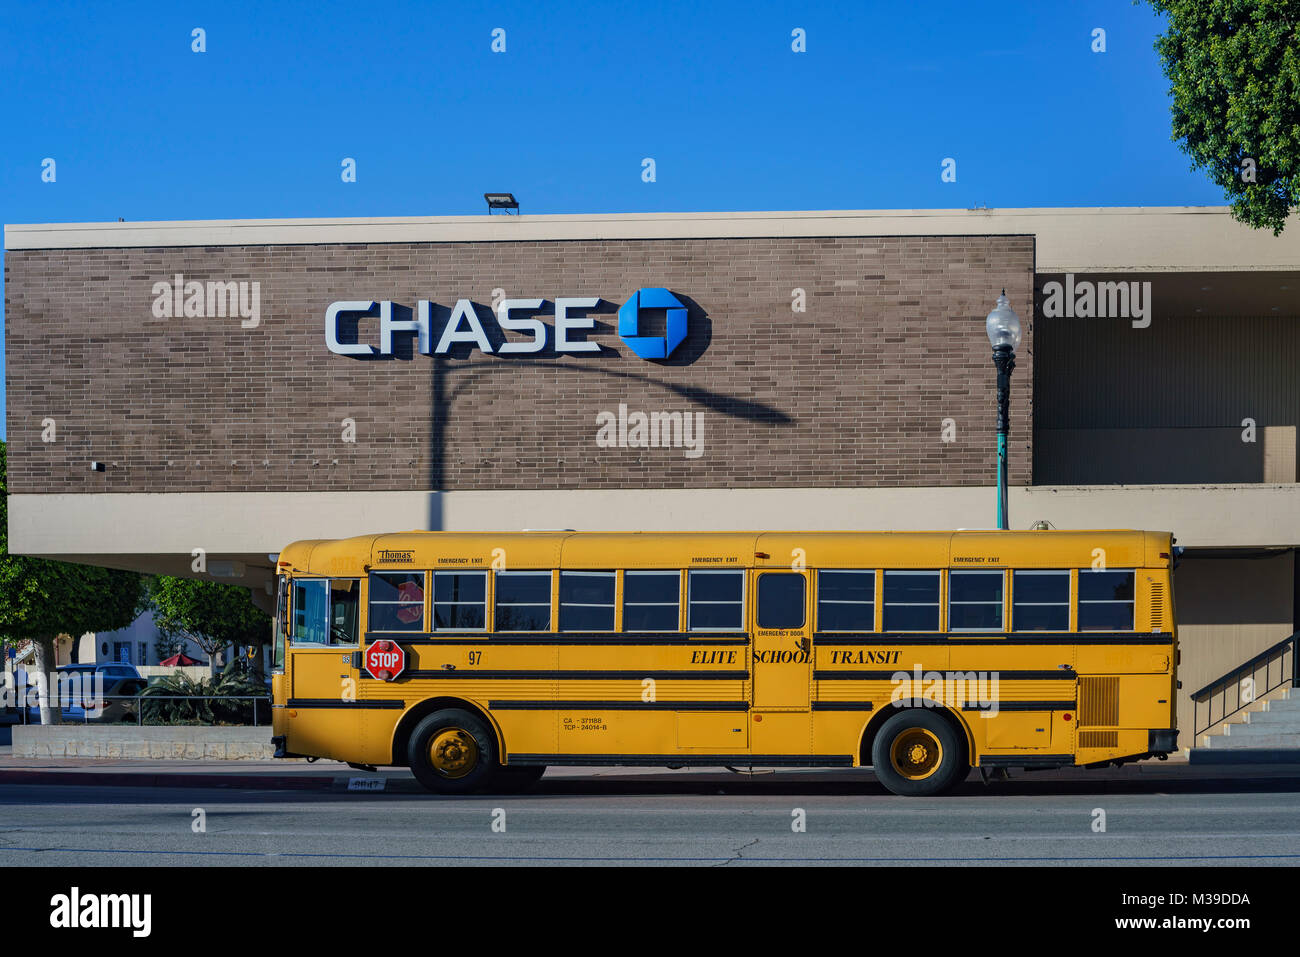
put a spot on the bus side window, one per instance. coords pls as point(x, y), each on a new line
point(396, 601)
point(586, 601)
point(344, 604)
point(652, 600)
point(459, 601)
point(911, 601)
point(975, 600)
point(1040, 600)
point(715, 600)
point(523, 601)
point(846, 600)
point(1105, 600)
point(310, 612)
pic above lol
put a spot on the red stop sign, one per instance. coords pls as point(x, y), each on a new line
point(385, 660)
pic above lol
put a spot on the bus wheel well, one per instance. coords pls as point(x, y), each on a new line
point(884, 714)
point(418, 712)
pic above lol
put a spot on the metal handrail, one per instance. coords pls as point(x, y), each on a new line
point(139, 711)
point(1218, 688)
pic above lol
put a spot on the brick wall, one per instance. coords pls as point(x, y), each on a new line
point(851, 392)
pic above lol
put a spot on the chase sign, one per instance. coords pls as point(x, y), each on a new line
point(652, 347)
point(520, 317)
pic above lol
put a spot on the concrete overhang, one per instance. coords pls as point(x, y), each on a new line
point(160, 532)
point(1082, 239)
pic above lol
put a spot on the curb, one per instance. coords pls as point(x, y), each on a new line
point(154, 780)
point(252, 782)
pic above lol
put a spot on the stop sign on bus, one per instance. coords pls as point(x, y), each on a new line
point(385, 660)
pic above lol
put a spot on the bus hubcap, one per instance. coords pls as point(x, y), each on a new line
point(453, 753)
point(916, 753)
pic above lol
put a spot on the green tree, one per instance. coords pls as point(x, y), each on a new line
point(1234, 69)
point(42, 599)
point(165, 647)
point(210, 614)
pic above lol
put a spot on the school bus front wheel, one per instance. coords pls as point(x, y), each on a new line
point(452, 752)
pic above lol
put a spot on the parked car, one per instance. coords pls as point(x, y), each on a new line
point(119, 682)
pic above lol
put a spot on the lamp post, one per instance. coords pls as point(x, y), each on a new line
point(1003, 328)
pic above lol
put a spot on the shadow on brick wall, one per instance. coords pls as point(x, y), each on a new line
point(468, 370)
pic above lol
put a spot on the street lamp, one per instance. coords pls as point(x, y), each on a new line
point(1003, 328)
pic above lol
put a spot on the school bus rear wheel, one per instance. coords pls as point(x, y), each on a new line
point(918, 753)
point(452, 752)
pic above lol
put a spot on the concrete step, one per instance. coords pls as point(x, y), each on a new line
point(1290, 704)
point(1248, 742)
point(1274, 718)
point(1262, 727)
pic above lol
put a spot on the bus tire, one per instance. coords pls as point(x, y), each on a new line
point(513, 778)
point(452, 752)
point(918, 753)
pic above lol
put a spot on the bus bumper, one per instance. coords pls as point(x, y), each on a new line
point(1162, 741)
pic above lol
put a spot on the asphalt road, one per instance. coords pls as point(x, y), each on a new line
point(664, 818)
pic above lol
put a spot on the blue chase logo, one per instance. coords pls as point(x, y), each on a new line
point(652, 347)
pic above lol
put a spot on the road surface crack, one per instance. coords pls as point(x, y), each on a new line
point(739, 856)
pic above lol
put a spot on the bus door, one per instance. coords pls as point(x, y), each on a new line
point(782, 658)
point(323, 668)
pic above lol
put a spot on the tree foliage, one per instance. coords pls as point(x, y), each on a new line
point(211, 614)
point(1234, 69)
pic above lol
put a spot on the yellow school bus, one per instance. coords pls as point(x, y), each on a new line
point(478, 660)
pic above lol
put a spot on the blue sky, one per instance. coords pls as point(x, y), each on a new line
point(142, 127)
